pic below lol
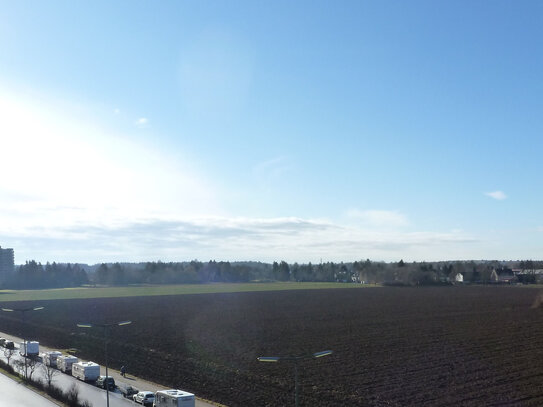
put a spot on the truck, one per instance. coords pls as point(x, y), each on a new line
point(65, 362)
point(29, 348)
point(174, 398)
point(50, 358)
point(86, 371)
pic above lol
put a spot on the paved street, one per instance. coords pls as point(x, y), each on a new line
point(17, 395)
point(96, 396)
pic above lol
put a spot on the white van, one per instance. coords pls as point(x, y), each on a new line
point(86, 371)
point(65, 362)
point(174, 398)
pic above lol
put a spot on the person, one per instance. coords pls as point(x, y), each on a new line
point(123, 371)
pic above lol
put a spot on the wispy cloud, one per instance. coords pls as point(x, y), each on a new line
point(142, 122)
point(231, 238)
point(498, 195)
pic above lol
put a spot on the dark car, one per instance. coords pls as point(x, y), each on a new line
point(104, 382)
point(128, 391)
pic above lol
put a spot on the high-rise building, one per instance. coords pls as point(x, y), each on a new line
point(7, 263)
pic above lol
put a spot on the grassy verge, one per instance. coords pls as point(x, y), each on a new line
point(149, 290)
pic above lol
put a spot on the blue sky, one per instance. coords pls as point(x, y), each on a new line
point(137, 130)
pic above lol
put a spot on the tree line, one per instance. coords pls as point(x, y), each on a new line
point(34, 275)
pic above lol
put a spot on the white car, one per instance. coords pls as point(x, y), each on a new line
point(145, 398)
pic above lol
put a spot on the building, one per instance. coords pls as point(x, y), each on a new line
point(7, 263)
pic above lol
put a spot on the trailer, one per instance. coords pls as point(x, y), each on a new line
point(174, 398)
point(50, 358)
point(30, 348)
point(86, 371)
point(65, 362)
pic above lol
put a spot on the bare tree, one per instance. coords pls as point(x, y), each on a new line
point(49, 373)
point(32, 364)
point(8, 353)
point(73, 396)
point(19, 366)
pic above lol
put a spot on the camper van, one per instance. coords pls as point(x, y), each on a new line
point(174, 398)
point(30, 348)
point(50, 358)
point(65, 362)
point(86, 371)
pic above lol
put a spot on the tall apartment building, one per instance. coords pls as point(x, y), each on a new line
point(7, 263)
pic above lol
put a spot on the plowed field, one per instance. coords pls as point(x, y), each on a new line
point(462, 346)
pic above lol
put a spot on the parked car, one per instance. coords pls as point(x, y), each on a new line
point(103, 382)
point(145, 398)
point(2, 341)
point(9, 345)
point(128, 391)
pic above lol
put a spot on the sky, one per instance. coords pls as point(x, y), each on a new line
point(303, 131)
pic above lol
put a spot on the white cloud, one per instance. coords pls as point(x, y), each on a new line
point(498, 195)
point(234, 238)
point(379, 218)
point(142, 122)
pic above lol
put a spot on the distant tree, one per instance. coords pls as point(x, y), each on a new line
point(284, 271)
point(275, 270)
point(343, 274)
point(116, 275)
point(101, 274)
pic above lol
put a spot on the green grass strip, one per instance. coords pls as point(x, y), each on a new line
point(150, 290)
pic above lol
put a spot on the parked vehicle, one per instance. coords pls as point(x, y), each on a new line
point(9, 345)
point(174, 398)
point(103, 382)
point(30, 348)
point(145, 398)
point(2, 341)
point(65, 362)
point(50, 358)
point(86, 371)
point(128, 391)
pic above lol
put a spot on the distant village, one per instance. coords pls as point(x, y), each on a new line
point(34, 275)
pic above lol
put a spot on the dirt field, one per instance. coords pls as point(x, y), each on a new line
point(467, 346)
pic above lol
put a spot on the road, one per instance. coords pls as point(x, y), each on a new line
point(17, 395)
point(94, 395)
